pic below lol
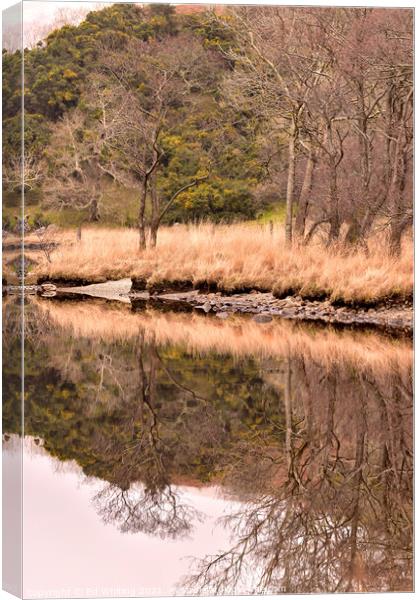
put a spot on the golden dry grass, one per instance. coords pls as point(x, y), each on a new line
point(235, 257)
point(238, 336)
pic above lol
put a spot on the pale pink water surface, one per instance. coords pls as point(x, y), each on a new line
point(69, 551)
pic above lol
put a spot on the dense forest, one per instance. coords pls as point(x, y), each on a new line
point(76, 134)
point(142, 115)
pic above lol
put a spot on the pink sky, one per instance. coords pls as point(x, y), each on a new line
point(35, 11)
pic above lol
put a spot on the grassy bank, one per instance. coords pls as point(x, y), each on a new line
point(234, 258)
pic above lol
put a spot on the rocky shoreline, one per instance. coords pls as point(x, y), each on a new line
point(392, 317)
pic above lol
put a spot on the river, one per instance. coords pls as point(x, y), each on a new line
point(173, 454)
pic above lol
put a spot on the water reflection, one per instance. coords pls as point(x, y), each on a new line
point(335, 512)
point(310, 431)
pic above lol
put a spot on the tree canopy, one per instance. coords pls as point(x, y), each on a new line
point(218, 114)
point(198, 133)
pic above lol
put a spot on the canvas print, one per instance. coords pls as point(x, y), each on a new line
point(207, 299)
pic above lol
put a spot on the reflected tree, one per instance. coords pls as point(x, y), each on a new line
point(140, 510)
point(336, 514)
point(152, 506)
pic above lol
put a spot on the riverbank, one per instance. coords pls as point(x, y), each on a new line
point(232, 259)
point(391, 317)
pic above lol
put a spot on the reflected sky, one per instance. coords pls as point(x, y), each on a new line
point(69, 551)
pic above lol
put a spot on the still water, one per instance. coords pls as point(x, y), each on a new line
point(177, 454)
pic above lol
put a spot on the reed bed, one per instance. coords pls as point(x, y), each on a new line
point(235, 258)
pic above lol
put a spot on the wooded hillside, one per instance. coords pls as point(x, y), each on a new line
point(142, 115)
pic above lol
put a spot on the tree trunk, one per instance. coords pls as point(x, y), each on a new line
point(288, 413)
point(157, 215)
point(398, 226)
point(304, 197)
point(400, 217)
point(153, 235)
point(141, 219)
point(154, 220)
point(290, 184)
point(334, 217)
point(94, 210)
point(354, 232)
point(355, 576)
point(371, 215)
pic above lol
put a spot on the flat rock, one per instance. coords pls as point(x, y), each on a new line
point(110, 290)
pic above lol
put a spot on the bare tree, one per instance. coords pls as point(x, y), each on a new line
point(142, 97)
point(277, 69)
point(74, 173)
point(334, 86)
point(28, 170)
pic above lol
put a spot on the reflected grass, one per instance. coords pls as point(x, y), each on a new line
point(239, 336)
